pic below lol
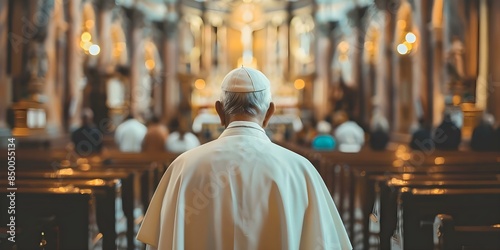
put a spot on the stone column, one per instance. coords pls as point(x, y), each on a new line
point(422, 72)
point(323, 58)
point(75, 64)
point(438, 88)
point(171, 94)
point(482, 79)
point(5, 92)
point(104, 35)
point(104, 66)
point(206, 48)
point(493, 90)
point(136, 60)
point(52, 18)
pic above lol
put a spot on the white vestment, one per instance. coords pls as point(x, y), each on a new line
point(242, 191)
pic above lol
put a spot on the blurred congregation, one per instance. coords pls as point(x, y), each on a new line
point(396, 103)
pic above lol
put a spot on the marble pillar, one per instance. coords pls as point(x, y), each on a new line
point(52, 17)
point(104, 35)
point(136, 61)
point(5, 92)
point(171, 90)
point(75, 64)
point(482, 78)
point(493, 90)
point(321, 82)
point(421, 84)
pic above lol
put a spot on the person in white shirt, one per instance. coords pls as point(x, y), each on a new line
point(180, 140)
point(130, 134)
point(350, 136)
point(242, 191)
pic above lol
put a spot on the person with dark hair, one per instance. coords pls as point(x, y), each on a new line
point(87, 139)
point(483, 135)
point(447, 135)
point(379, 131)
point(155, 137)
point(421, 137)
point(242, 191)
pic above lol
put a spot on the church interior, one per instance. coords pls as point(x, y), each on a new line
point(396, 103)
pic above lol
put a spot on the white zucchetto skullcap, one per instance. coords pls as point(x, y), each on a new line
point(245, 80)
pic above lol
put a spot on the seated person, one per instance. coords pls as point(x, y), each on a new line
point(447, 135)
point(130, 134)
point(87, 139)
point(323, 141)
point(379, 134)
point(482, 135)
point(181, 139)
point(156, 136)
point(305, 136)
point(421, 137)
point(350, 136)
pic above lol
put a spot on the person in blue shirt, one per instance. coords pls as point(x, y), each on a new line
point(324, 140)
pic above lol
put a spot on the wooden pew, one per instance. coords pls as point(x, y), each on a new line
point(125, 177)
point(104, 192)
point(417, 208)
point(448, 235)
point(71, 208)
point(383, 218)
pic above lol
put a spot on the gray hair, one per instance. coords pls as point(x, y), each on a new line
point(252, 103)
point(488, 119)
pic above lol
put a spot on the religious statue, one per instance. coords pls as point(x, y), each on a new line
point(455, 69)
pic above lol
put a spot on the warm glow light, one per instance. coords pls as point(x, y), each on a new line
point(85, 167)
point(402, 49)
point(86, 37)
point(456, 100)
point(89, 24)
point(410, 37)
point(150, 64)
point(369, 45)
point(65, 163)
point(405, 157)
point(401, 24)
point(199, 84)
point(299, 84)
point(85, 45)
point(398, 163)
point(402, 148)
point(65, 189)
point(343, 46)
point(407, 176)
point(81, 161)
point(408, 45)
point(439, 161)
point(94, 49)
point(95, 182)
point(65, 171)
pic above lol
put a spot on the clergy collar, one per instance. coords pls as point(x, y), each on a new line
point(244, 128)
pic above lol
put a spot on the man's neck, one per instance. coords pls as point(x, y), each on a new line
point(245, 118)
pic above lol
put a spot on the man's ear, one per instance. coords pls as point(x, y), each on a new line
point(220, 112)
point(269, 113)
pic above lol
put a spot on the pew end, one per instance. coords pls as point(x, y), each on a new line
point(447, 235)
